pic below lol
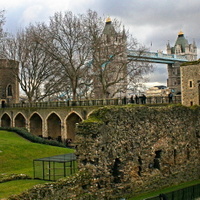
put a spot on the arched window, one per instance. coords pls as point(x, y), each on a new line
point(9, 90)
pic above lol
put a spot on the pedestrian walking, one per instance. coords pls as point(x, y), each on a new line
point(143, 99)
point(136, 99)
point(170, 96)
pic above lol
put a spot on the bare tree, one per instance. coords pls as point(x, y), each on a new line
point(92, 56)
point(3, 34)
point(65, 40)
point(113, 72)
point(38, 74)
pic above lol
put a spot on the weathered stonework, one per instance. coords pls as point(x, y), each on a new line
point(190, 83)
point(9, 85)
point(140, 149)
point(124, 151)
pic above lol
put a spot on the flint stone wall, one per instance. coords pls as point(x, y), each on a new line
point(140, 149)
point(123, 151)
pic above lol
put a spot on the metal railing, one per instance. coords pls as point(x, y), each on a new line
point(95, 102)
point(189, 193)
point(157, 55)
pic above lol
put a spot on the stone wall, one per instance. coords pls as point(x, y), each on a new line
point(140, 149)
point(124, 151)
point(8, 77)
point(190, 81)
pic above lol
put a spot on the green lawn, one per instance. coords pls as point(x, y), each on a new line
point(16, 187)
point(16, 157)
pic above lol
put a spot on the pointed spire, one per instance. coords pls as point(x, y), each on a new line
point(124, 33)
point(194, 43)
point(168, 44)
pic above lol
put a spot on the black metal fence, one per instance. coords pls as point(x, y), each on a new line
point(54, 167)
point(97, 102)
point(189, 193)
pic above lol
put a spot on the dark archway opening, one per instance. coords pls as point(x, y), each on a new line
point(36, 125)
point(20, 121)
point(54, 127)
point(5, 121)
point(71, 122)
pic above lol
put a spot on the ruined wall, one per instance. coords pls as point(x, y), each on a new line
point(138, 149)
point(123, 151)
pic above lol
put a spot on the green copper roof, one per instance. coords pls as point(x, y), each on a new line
point(182, 41)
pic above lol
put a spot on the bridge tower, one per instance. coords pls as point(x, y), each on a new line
point(181, 47)
point(9, 85)
point(111, 59)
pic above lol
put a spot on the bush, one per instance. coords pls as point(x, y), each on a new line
point(11, 177)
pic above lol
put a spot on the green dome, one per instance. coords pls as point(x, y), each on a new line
point(182, 41)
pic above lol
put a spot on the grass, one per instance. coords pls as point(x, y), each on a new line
point(16, 187)
point(16, 157)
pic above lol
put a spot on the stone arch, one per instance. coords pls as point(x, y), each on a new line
point(5, 120)
point(36, 124)
point(89, 114)
point(20, 120)
point(54, 126)
point(71, 121)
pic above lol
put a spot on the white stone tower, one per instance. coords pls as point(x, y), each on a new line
point(111, 60)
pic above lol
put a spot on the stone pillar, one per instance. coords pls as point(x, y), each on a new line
point(44, 129)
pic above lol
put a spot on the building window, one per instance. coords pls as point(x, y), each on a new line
point(190, 83)
point(9, 90)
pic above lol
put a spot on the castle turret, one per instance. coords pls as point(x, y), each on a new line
point(9, 85)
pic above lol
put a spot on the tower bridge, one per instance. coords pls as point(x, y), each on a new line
point(156, 57)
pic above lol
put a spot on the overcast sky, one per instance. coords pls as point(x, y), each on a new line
point(149, 21)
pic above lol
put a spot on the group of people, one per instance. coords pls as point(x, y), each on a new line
point(135, 99)
point(142, 99)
